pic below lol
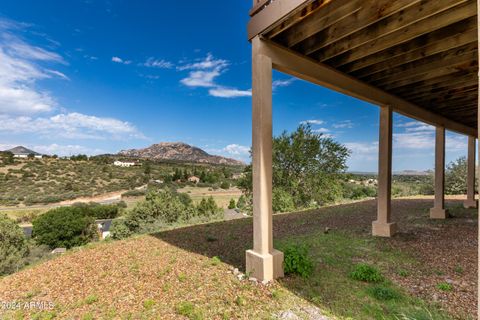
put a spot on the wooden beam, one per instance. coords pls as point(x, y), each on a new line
point(466, 67)
point(368, 45)
point(439, 36)
point(271, 16)
point(421, 87)
point(258, 5)
point(428, 52)
point(353, 24)
point(448, 58)
point(305, 68)
point(418, 94)
point(303, 16)
point(319, 20)
point(447, 104)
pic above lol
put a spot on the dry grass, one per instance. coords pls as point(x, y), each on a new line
point(222, 197)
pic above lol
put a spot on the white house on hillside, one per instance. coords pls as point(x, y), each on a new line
point(123, 164)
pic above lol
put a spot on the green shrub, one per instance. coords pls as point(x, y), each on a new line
point(64, 227)
point(282, 201)
point(119, 230)
point(208, 208)
point(134, 193)
point(383, 293)
point(98, 211)
point(188, 310)
point(225, 185)
point(161, 207)
point(367, 273)
point(232, 204)
point(444, 286)
point(297, 261)
point(13, 245)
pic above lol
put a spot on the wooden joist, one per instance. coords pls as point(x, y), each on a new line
point(468, 65)
point(314, 23)
point(438, 90)
point(367, 45)
point(353, 24)
point(431, 51)
point(453, 57)
point(439, 36)
point(436, 84)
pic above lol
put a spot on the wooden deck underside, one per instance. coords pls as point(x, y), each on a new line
point(424, 52)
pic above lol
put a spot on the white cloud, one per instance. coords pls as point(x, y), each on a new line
point(66, 150)
point(282, 83)
point(204, 72)
point(201, 78)
point(237, 150)
point(158, 63)
point(58, 74)
point(233, 150)
point(362, 148)
point(24, 100)
point(209, 62)
point(222, 92)
point(120, 60)
point(20, 69)
point(363, 151)
point(71, 126)
point(321, 130)
point(313, 121)
point(345, 124)
point(413, 140)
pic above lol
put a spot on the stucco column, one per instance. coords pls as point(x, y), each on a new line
point(383, 227)
point(471, 202)
point(478, 130)
point(438, 211)
point(263, 262)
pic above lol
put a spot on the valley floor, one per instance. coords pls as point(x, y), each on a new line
point(187, 272)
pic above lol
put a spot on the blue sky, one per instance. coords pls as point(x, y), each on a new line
point(100, 76)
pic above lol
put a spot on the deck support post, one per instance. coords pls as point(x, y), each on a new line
point(471, 202)
point(478, 137)
point(383, 227)
point(263, 262)
point(438, 211)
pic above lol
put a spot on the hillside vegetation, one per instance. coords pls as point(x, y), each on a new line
point(43, 181)
point(188, 273)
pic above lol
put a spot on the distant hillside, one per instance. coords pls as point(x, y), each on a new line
point(398, 173)
point(177, 151)
point(22, 150)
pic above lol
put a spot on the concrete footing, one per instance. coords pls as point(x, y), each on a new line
point(381, 229)
point(438, 213)
point(470, 204)
point(264, 267)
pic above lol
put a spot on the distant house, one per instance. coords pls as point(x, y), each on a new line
point(124, 164)
point(103, 226)
point(194, 179)
point(237, 176)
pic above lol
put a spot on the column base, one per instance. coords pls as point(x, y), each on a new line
point(265, 267)
point(382, 229)
point(438, 213)
point(470, 204)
